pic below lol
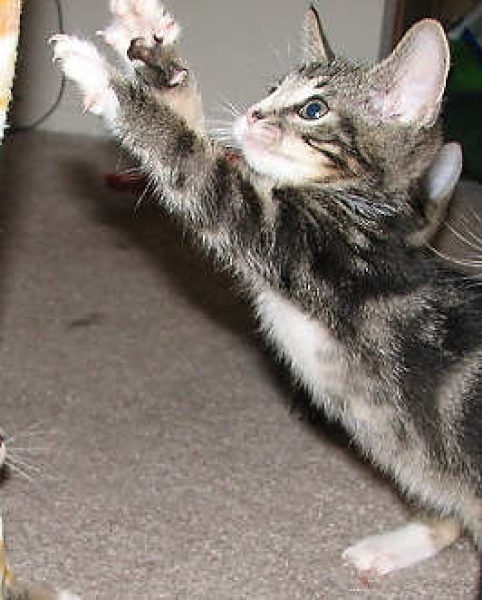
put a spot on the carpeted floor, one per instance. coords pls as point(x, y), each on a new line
point(164, 459)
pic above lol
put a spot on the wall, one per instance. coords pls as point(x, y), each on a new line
point(234, 46)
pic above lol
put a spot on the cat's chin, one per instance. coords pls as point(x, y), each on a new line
point(261, 148)
point(273, 166)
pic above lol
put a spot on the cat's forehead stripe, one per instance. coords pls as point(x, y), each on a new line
point(291, 93)
point(321, 83)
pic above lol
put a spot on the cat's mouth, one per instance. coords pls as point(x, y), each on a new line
point(271, 151)
point(257, 136)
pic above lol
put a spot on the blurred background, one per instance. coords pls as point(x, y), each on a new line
point(239, 48)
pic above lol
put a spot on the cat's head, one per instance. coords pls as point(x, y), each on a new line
point(330, 121)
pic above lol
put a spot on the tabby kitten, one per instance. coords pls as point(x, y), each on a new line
point(316, 221)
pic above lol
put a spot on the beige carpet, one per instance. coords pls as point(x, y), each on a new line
point(165, 462)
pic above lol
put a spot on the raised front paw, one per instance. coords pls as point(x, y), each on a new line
point(81, 62)
point(146, 19)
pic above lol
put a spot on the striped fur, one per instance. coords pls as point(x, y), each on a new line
point(314, 222)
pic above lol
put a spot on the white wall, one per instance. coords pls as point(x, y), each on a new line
point(235, 47)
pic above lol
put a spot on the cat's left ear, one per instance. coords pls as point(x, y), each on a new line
point(315, 45)
point(408, 86)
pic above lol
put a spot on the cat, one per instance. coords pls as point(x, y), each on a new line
point(10, 587)
point(317, 222)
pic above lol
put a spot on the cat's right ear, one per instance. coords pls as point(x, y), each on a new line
point(315, 45)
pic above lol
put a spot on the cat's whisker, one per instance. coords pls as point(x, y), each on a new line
point(221, 130)
point(469, 229)
point(130, 171)
point(16, 469)
point(456, 261)
point(24, 465)
point(230, 108)
point(463, 238)
point(277, 54)
point(221, 126)
point(34, 470)
point(465, 280)
point(475, 215)
point(13, 444)
point(290, 53)
point(220, 136)
point(26, 455)
point(149, 187)
point(123, 159)
point(224, 134)
point(219, 120)
point(31, 431)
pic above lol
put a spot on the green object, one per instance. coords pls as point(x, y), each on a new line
point(463, 104)
point(466, 73)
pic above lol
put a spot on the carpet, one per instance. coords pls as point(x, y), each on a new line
point(163, 455)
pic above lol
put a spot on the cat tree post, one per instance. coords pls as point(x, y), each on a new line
point(9, 31)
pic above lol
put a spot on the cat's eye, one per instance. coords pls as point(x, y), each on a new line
point(313, 110)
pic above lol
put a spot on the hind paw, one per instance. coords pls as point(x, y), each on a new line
point(379, 555)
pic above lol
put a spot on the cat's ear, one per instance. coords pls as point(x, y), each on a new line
point(315, 45)
point(408, 86)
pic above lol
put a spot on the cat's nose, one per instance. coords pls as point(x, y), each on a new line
point(254, 115)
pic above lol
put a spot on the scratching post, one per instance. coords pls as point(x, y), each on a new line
point(9, 31)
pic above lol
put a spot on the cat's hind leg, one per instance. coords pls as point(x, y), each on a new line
point(379, 555)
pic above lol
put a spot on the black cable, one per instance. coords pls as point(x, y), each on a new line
point(39, 120)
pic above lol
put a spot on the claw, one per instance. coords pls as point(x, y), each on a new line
point(139, 51)
point(178, 78)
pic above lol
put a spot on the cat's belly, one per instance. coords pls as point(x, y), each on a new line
point(314, 355)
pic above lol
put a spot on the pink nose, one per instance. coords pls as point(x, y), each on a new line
point(253, 115)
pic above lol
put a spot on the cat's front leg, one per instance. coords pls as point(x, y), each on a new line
point(169, 79)
point(193, 176)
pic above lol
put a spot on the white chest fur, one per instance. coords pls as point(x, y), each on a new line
point(336, 383)
point(315, 357)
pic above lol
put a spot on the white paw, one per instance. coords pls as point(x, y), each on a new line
point(379, 555)
point(81, 62)
point(66, 595)
point(145, 19)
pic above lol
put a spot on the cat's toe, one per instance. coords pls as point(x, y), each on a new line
point(369, 563)
point(139, 18)
point(119, 7)
point(132, 19)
